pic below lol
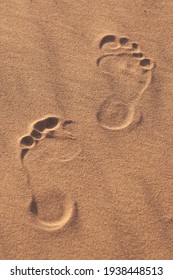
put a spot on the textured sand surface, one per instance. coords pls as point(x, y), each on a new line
point(86, 144)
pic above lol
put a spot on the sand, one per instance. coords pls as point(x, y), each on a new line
point(86, 129)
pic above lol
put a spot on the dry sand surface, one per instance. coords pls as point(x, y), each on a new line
point(86, 100)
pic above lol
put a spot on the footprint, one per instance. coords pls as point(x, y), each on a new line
point(52, 208)
point(130, 73)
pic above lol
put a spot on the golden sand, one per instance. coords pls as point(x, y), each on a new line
point(86, 129)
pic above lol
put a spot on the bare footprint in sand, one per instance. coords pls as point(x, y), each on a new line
point(52, 207)
point(129, 72)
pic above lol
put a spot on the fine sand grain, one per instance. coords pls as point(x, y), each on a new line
point(86, 125)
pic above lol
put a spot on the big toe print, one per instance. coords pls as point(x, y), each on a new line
point(49, 141)
point(131, 72)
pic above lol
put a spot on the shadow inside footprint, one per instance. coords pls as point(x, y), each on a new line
point(35, 134)
point(107, 39)
point(33, 207)
point(46, 123)
point(27, 141)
